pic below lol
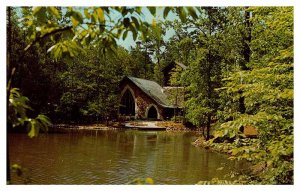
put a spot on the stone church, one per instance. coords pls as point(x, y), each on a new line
point(145, 99)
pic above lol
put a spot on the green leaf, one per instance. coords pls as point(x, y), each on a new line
point(126, 22)
point(124, 35)
point(75, 22)
point(166, 11)
point(33, 131)
point(152, 10)
point(94, 17)
point(44, 122)
point(235, 151)
point(138, 10)
point(56, 51)
point(76, 18)
point(192, 12)
point(134, 34)
point(124, 11)
point(55, 12)
point(17, 168)
point(86, 13)
point(136, 22)
point(182, 14)
point(100, 14)
point(149, 181)
point(134, 31)
point(36, 10)
point(102, 28)
point(40, 14)
point(231, 135)
point(153, 23)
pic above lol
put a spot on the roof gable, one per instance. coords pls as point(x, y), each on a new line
point(171, 65)
point(153, 90)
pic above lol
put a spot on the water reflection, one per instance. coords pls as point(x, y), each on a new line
point(116, 157)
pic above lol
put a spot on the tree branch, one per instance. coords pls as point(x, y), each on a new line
point(98, 24)
point(46, 35)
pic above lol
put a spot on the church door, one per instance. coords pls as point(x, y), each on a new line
point(127, 104)
point(152, 113)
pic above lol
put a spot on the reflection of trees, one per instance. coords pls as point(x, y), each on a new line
point(122, 156)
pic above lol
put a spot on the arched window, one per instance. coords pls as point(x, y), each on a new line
point(152, 113)
point(127, 104)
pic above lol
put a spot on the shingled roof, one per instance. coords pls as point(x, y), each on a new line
point(153, 90)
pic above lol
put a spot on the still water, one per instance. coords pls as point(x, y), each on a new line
point(115, 157)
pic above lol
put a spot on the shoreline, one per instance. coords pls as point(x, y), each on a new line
point(114, 126)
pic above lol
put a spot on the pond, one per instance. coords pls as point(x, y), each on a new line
point(115, 157)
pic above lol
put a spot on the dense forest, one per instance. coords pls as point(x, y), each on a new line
point(66, 64)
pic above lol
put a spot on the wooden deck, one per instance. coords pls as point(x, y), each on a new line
point(144, 125)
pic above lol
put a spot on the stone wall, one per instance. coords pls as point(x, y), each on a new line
point(142, 101)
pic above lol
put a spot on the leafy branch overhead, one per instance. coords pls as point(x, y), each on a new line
point(88, 25)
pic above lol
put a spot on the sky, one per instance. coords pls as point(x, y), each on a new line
point(147, 16)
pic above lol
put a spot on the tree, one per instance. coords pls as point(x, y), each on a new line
point(153, 45)
point(93, 97)
point(141, 62)
point(268, 92)
point(182, 45)
point(204, 73)
point(175, 94)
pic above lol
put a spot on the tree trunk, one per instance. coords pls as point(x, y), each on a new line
point(246, 54)
point(208, 82)
point(8, 177)
point(9, 35)
point(208, 127)
point(242, 107)
point(247, 51)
